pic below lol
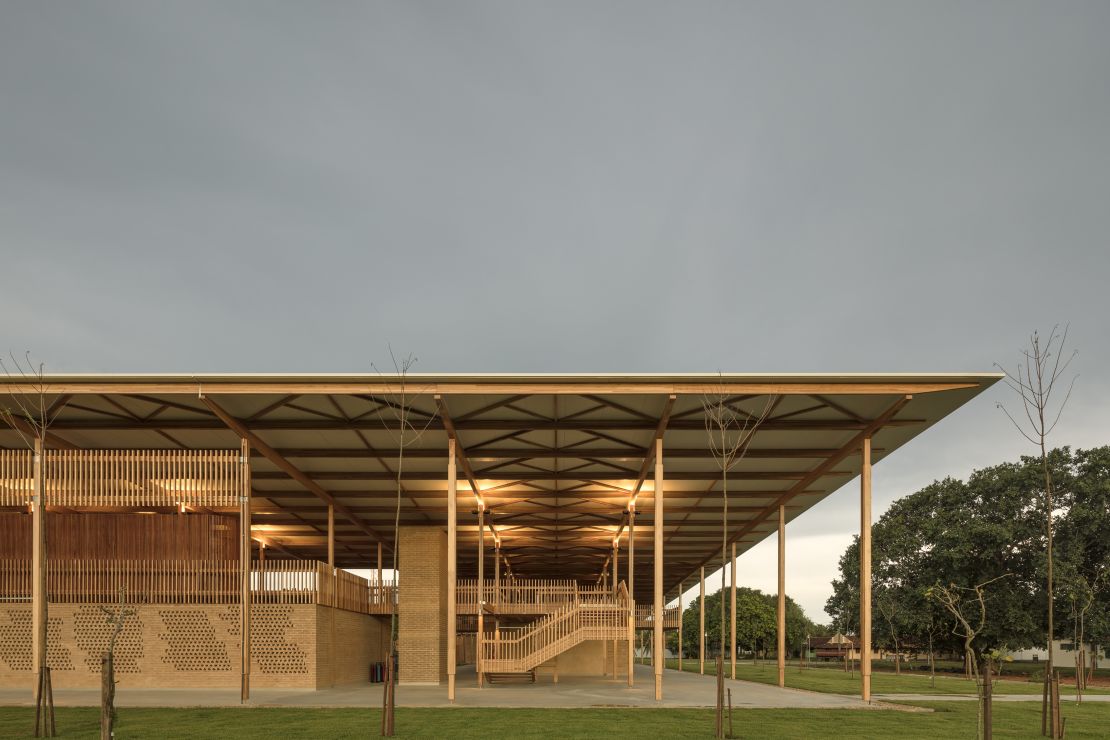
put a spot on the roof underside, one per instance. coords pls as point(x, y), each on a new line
point(555, 458)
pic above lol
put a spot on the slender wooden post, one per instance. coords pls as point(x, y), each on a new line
point(381, 586)
point(331, 536)
point(732, 612)
point(616, 575)
point(38, 566)
point(245, 567)
point(452, 566)
point(865, 571)
point(481, 593)
point(701, 625)
point(657, 529)
point(681, 614)
point(497, 576)
point(262, 568)
point(781, 648)
point(631, 590)
point(616, 566)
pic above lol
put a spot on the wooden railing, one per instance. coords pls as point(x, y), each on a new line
point(197, 582)
point(15, 477)
point(522, 650)
point(163, 478)
point(527, 596)
point(645, 617)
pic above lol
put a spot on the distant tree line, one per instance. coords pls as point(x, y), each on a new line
point(755, 624)
point(992, 526)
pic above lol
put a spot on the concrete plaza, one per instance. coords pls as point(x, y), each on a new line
point(682, 690)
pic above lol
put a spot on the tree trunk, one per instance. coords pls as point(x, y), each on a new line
point(987, 692)
point(932, 664)
point(107, 696)
point(720, 697)
point(387, 698)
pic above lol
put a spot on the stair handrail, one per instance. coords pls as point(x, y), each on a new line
point(551, 635)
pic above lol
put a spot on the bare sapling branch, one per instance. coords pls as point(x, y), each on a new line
point(730, 429)
point(407, 426)
point(968, 607)
point(1037, 379)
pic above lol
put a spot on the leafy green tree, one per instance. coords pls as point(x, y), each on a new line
point(755, 622)
point(963, 533)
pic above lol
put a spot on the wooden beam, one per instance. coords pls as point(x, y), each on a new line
point(119, 423)
point(460, 454)
point(884, 419)
point(573, 475)
point(490, 454)
point(27, 429)
point(215, 386)
point(292, 471)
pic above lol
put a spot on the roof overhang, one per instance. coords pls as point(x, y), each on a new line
point(555, 457)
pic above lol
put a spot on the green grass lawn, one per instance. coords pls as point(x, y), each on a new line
point(834, 680)
point(952, 719)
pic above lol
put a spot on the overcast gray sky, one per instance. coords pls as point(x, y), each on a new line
point(592, 186)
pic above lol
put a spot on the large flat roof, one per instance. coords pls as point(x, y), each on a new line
point(555, 457)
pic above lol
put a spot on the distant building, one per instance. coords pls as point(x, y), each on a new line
point(1064, 652)
point(839, 647)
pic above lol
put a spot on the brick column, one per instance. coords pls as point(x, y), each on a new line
point(422, 606)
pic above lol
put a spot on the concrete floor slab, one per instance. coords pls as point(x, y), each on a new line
point(679, 690)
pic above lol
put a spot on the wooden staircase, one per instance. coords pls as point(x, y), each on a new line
point(600, 617)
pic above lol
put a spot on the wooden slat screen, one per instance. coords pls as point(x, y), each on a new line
point(15, 477)
point(206, 478)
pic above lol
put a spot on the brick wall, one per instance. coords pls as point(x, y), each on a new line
point(195, 646)
point(592, 658)
point(347, 643)
point(422, 605)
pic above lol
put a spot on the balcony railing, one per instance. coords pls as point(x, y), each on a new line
point(197, 582)
point(532, 596)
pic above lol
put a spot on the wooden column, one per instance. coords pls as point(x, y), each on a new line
point(732, 618)
point(481, 593)
point(245, 568)
point(781, 648)
point(657, 529)
point(496, 574)
point(38, 567)
point(381, 587)
point(331, 536)
point(865, 570)
point(261, 566)
point(681, 614)
point(452, 566)
point(616, 574)
point(631, 589)
point(616, 566)
point(701, 625)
